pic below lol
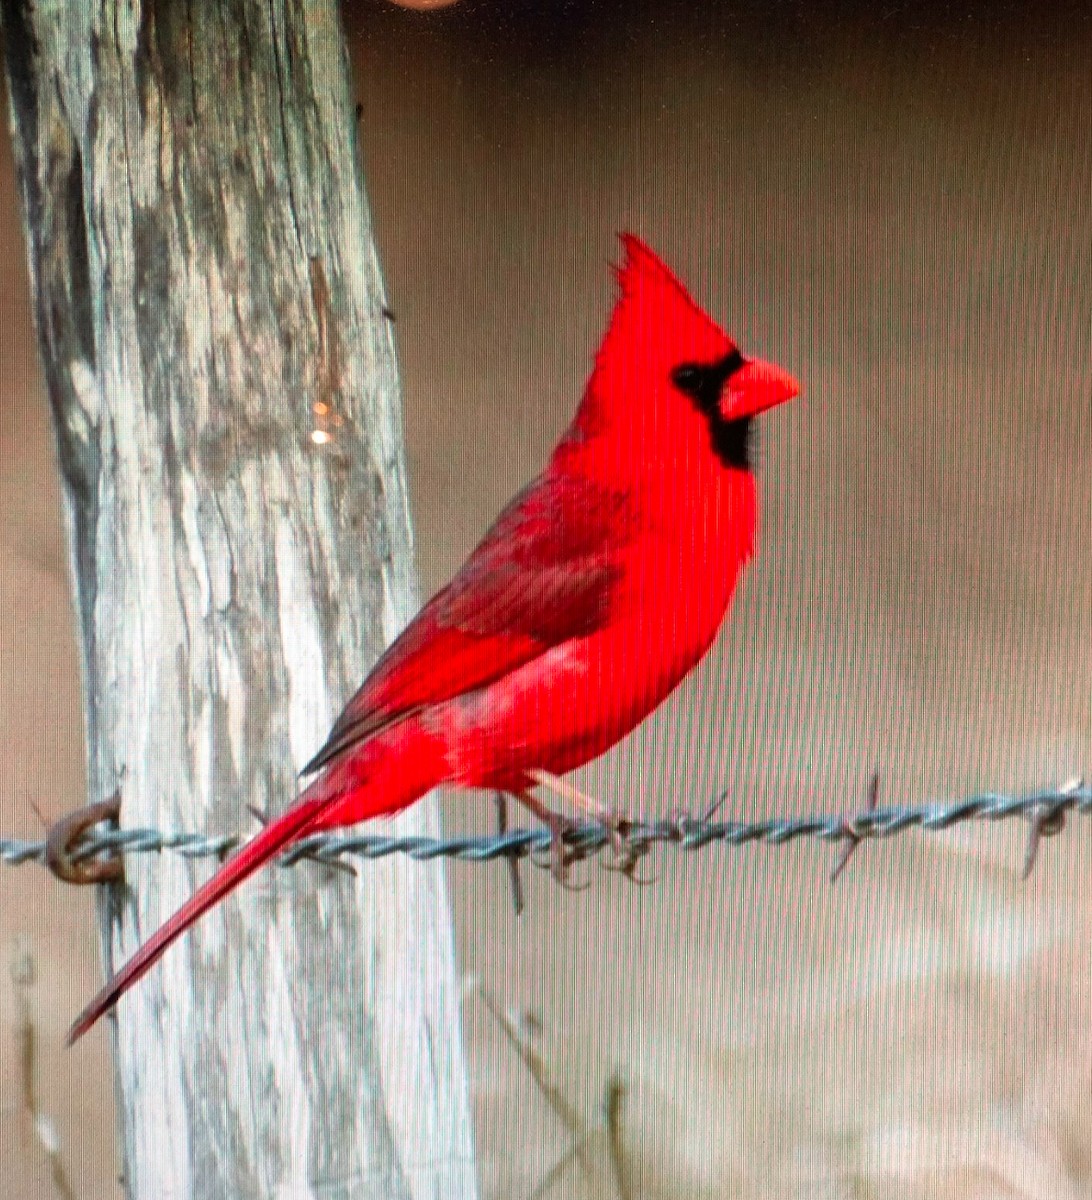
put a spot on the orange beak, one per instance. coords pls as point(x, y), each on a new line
point(755, 387)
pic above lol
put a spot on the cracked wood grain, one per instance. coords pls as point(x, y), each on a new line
point(186, 181)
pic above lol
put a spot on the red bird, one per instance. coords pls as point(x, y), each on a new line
point(597, 589)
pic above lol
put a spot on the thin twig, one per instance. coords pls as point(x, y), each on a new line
point(576, 1127)
point(584, 1134)
point(613, 1105)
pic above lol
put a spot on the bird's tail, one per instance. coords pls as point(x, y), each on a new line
point(273, 838)
point(376, 780)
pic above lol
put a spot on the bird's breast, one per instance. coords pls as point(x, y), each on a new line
point(698, 534)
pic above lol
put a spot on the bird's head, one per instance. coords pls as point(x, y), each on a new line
point(666, 370)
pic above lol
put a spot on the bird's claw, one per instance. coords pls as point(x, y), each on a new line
point(626, 852)
point(560, 857)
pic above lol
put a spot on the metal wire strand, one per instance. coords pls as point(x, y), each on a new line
point(1046, 811)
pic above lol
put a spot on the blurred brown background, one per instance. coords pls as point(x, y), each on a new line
point(895, 202)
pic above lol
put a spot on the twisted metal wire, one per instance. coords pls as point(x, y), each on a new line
point(1046, 811)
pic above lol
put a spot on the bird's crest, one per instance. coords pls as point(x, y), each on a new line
point(643, 268)
point(664, 310)
point(655, 325)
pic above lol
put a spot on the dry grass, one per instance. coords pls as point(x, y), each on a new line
point(23, 974)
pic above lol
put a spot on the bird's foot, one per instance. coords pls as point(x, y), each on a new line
point(626, 852)
point(561, 856)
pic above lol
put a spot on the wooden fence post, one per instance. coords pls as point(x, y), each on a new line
point(224, 391)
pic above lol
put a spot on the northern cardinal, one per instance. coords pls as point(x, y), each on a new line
point(600, 585)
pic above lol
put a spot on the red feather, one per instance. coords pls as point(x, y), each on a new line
point(542, 575)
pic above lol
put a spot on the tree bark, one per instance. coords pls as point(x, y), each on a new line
point(224, 391)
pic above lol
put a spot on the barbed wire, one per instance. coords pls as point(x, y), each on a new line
point(1046, 811)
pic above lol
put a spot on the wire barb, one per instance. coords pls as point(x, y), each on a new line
point(851, 835)
point(1046, 821)
point(500, 801)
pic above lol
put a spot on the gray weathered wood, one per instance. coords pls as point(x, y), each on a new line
point(204, 276)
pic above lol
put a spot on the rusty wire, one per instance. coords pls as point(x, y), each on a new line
point(1045, 811)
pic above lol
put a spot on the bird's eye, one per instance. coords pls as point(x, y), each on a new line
point(701, 382)
point(687, 378)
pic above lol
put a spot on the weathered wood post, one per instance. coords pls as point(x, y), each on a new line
point(224, 391)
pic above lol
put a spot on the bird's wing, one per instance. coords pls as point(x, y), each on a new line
point(547, 571)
